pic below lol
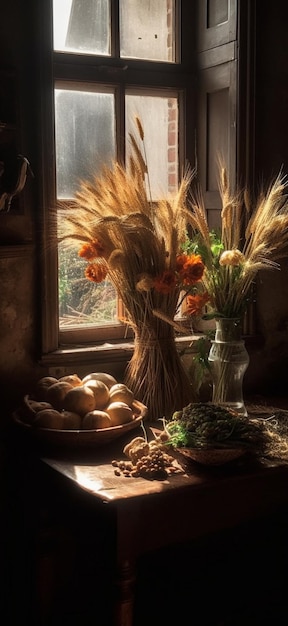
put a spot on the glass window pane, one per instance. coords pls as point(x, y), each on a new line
point(147, 29)
point(159, 118)
point(81, 302)
point(85, 136)
point(85, 140)
point(82, 26)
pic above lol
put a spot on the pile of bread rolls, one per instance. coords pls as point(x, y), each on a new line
point(96, 401)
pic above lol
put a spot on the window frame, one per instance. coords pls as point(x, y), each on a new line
point(123, 73)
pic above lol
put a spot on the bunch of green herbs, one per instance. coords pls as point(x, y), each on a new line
point(200, 425)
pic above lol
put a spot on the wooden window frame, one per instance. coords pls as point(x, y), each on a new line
point(123, 73)
point(198, 59)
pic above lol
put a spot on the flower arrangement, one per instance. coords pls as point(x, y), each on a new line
point(252, 237)
point(143, 247)
point(139, 245)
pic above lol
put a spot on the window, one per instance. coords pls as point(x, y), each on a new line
point(112, 60)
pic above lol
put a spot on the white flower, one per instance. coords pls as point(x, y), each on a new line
point(231, 257)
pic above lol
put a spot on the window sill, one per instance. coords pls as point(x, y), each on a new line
point(104, 353)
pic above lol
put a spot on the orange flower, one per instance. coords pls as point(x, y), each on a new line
point(96, 272)
point(91, 250)
point(181, 259)
point(196, 303)
point(192, 269)
point(165, 283)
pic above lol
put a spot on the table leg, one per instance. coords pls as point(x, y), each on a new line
point(125, 586)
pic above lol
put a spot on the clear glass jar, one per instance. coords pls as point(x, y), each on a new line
point(228, 359)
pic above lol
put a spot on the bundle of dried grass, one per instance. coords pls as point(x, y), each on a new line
point(138, 243)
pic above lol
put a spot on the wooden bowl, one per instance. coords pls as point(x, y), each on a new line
point(77, 438)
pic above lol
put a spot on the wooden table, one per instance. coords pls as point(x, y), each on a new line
point(153, 514)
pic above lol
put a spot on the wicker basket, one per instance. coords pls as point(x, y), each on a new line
point(211, 456)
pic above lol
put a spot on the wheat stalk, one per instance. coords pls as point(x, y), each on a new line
point(261, 234)
point(139, 240)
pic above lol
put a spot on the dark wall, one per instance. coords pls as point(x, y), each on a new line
point(19, 229)
point(269, 365)
point(271, 88)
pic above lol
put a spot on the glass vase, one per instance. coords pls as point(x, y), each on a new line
point(228, 360)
